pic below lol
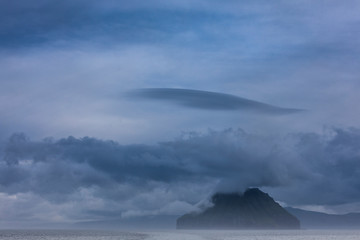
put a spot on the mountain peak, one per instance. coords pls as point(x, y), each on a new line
point(254, 192)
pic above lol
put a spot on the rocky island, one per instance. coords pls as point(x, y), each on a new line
point(253, 209)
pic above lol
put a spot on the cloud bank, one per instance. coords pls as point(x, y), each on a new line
point(209, 100)
point(108, 179)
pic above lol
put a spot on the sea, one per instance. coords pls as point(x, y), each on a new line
point(179, 235)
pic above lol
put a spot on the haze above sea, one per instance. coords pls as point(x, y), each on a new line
point(179, 235)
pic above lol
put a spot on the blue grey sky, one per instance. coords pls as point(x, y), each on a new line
point(67, 68)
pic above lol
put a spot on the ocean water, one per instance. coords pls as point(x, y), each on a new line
point(178, 235)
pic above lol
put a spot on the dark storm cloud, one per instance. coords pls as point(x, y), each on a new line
point(332, 162)
point(26, 24)
point(209, 100)
point(304, 168)
point(70, 163)
point(197, 24)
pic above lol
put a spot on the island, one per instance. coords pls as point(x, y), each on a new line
point(252, 209)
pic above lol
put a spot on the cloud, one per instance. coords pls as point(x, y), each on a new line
point(183, 23)
point(251, 46)
point(98, 175)
point(64, 23)
point(209, 100)
point(114, 46)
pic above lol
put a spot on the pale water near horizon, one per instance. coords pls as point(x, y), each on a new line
point(179, 235)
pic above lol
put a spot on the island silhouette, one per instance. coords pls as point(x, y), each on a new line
point(252, 209)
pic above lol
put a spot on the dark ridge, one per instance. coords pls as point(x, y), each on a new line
point(318, 220)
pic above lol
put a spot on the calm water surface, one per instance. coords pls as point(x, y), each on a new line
point(178, 235)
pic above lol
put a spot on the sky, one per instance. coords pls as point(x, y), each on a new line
point(115, 109)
